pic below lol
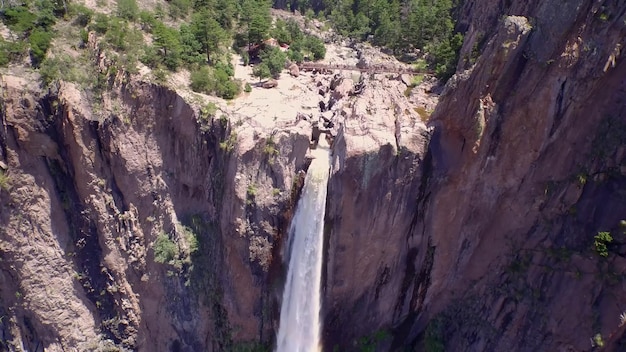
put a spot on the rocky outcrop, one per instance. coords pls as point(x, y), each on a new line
point(528, 164)
point(377, 166)
point(518, 179)
point(94, 193)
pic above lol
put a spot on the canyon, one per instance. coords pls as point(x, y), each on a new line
point(153, 219)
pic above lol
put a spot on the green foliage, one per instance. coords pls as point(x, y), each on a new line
point(598, 341)
point(19, 19)
point(228, 89)
point(256, 17)
point(179, 8)
point(208, 32)
point(39, 41)
point(445, 56)
point(201, 80)
point(11, 51)
point(147, 20)
point(32, 22)
point(402, 26)
point(289, 33)
point(122, 37)
point(370, 343)
point(101, 23)
point(262, 71)
point(433, 337)
point(160, 75)
point(167, 45)
point(601, 242)
point(190, 238)
point(208, 111)
point(251, 191)
point(317, 47)
point(270, 150)
point(4, 180)
point(247, 88)
point(250, 347)
point(272, 62)
point(229, 144)
point(216, 81)
point(191, 48)
point(245, 57)
point(127, 9)
point(81, 72)
point(280, 32)
point(295, 55)
point(165, 250)
point(82, 15)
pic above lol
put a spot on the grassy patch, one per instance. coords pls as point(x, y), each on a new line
point(5, 180)
point(424, 114)
point(229, 144)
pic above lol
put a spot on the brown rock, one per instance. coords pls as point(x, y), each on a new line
point(294, 70)
point(342, 89)
point(271, 83)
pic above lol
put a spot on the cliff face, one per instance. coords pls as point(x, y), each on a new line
point(141, 220)
point(496, 251)
point(94, 191)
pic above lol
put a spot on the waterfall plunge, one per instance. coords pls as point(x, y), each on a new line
point(300, 312)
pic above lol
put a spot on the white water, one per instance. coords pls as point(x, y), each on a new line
point(300, 312)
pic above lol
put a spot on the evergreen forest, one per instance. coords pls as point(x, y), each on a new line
point(199, 35)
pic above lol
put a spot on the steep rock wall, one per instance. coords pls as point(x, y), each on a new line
point(91, 189)
point(527, 181)
point(379, 157)
point(527, 167)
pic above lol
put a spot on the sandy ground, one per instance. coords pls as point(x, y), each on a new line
point(279, 106)
point(269, 108)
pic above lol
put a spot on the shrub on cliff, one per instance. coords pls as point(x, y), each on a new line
point(39, 43)
point(165, 250)
point(127, 9)
point(11, 51)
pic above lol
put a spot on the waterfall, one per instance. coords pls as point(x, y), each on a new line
point(299, 329)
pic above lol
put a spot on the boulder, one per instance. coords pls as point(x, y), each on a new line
point(343, 89)
point(294, 70)
point(407, 79)
point(271, 83)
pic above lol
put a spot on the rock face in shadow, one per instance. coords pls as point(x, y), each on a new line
point(489, 245)
point(377, 167)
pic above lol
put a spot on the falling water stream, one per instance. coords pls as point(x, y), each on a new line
point(299, 329)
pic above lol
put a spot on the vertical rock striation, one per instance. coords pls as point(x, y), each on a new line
point(525, 166)
point(94, 191)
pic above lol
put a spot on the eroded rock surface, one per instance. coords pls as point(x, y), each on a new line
point(474, 233)
point(521, 173)
point(99, 187)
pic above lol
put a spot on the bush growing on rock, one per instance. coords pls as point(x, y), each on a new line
point(127, 9)
point(165, 250)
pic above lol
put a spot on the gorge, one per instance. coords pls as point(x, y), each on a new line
point(147, 218)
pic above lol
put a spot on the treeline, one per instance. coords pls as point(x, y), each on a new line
point(193, 34)
point(400, 25)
